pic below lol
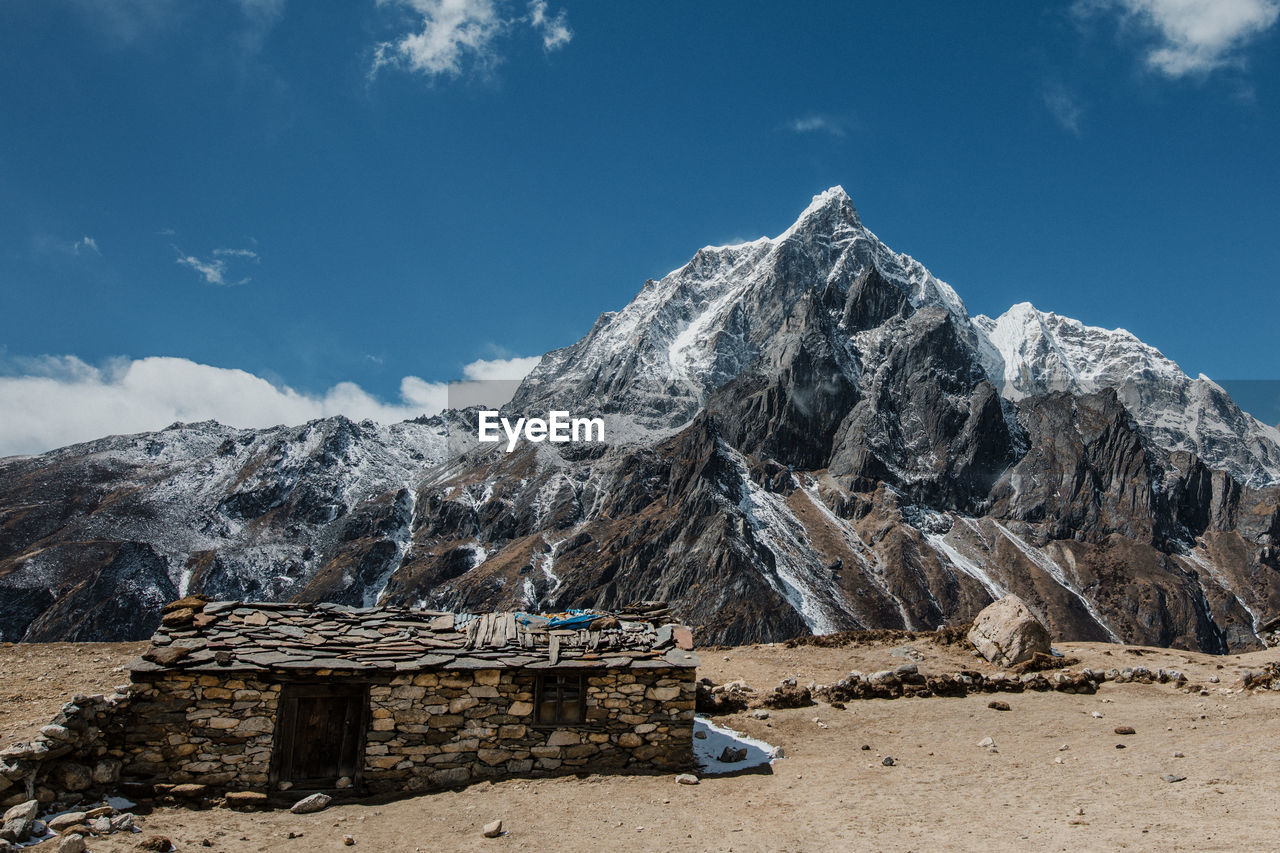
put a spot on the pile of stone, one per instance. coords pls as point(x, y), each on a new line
point(906, 681)
point(789, 694)
point(22, 824)
point(71, 760)
point(727, 698)
point(1269, 632)
point(1267, 678)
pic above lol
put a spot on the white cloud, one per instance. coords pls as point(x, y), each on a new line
point(500, 368)
point(1195, 37)
point(46, 244)
point(554, 30)
point(54, 401)
point(215, 271)
point(816, 123)
point(237, 253)
point(448, 36)
point(1064, 107)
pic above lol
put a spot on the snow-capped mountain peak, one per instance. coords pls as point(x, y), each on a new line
point(1028, 352)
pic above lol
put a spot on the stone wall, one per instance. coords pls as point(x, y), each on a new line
point(426, 730)
point(76, 756)
point(212, 730)
point(436, 729)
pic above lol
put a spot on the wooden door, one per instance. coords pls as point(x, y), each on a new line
point(320, 735)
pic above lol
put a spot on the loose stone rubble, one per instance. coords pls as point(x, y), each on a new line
point(450, 701)
point(906, 680)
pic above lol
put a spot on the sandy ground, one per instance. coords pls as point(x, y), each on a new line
point(37, 679)
point(943, 793)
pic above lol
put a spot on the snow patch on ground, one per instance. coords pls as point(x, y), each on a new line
point(707, 751)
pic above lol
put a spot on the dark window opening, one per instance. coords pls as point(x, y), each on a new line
point(561, 698)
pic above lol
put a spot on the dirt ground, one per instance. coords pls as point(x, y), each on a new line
point(829, 794)
point(37, 679)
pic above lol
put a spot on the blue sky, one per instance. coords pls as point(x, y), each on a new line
point(351, 202)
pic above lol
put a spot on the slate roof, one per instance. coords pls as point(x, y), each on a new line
point(226, 636)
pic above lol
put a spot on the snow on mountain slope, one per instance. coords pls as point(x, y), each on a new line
point(1029, 352)
point(706, 322)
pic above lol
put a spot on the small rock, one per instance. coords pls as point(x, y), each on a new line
point(998, 705)
point(100, 811)
point(1064, 747)
point(1178, 755)
point(71, 844)
point(22, 811)
point(63, 822)
point(1173, 777)
point(1096, 715)
point(700, 734)
point(729, 755)
point(246, 799)
point(866, 747)
point(760, 714)
point(987, 743)
point(1125, 730)
point(687, 779)
point(190, 791)
point(1119, 746)
point(157, 843)
point(311, 804)
point(343, 782)
point(100, 825)
point(348, 841)
point(492, 830)
point(17, 830)
point(888, 761)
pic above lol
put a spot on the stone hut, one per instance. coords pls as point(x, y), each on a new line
point(275, 697)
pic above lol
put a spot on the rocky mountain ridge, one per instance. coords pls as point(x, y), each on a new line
point(810, 434)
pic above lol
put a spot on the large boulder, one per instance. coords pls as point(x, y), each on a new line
point(1006, 632)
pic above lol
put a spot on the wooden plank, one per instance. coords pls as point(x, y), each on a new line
point(553, 649)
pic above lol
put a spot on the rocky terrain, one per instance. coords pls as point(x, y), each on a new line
point(1045, 774)
point(807, 434)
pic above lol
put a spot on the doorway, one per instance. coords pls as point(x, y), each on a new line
point(320, 734)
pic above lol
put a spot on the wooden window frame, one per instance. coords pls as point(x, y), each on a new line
point(539, 694)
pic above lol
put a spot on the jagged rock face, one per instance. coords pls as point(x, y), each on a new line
point(928, 422)
point(815, 436)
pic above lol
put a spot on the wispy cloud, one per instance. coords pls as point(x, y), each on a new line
point(554, 29)
point(1064, 106)
point(215, 270)
point(237, 253)
point(53, 401)
point(47, 244)
point(1192, 37)
point(448, 37)
point(819, 123)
